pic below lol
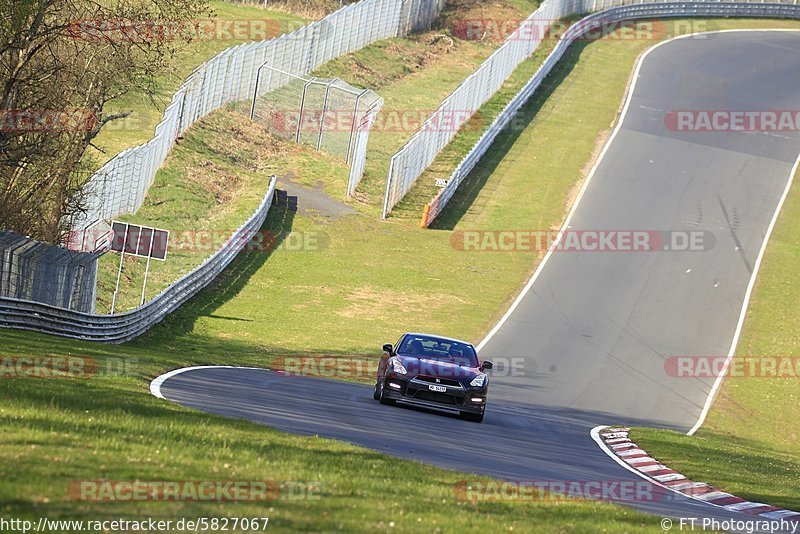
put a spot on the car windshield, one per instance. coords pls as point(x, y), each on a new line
point(445, 350)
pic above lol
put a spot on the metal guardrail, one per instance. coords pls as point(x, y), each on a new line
point(122, 327)
point(121, 184)
point(615, 14)
point(126, 326)
point(422, 148)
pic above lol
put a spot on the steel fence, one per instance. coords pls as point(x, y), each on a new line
point(408, 163)
point(359, 154)
point(418, 15)
point(326, 113)
point(36, 271)
point(117, 328)
point(120, 186)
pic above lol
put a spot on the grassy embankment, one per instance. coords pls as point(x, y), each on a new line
point(319, 302)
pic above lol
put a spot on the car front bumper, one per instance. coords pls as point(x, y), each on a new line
point(454, 399)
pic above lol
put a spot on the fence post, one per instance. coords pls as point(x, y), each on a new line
point(324, 111)
point(425, 211)
point(353, 124)
point(388, 185)
point(255, 92)
point(302, 107)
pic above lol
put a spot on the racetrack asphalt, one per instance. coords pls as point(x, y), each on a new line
point(596, 327)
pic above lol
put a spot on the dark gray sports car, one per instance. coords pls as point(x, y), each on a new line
point(433, 372)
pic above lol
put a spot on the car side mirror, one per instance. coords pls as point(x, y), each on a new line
point(486, 365)
point(388, 348)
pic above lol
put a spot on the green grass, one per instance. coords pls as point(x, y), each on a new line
point(147, 112)
point(328, 301)
point(412, 76)
point(755, 469)
point(211, 182)
point(108, 428)
point(193, 191)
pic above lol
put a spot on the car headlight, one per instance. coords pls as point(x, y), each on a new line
point(397, 367)
point(478, 381)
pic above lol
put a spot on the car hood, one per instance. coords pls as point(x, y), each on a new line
point(437, 369)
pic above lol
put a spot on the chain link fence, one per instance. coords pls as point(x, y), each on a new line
point(120, 186)
point(41, 286)
point(410, 161)
point(326, 113)
point(35, 271)
point(60, 319)
point(121, 327)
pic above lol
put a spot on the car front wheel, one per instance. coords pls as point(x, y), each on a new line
point(382, 394)
point(376, 392)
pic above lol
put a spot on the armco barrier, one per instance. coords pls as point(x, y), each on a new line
point(418, 153)
point(616, 14)
point(126, 326)
point(120, 186)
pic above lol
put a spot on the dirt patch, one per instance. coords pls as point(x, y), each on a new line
point(310, 9)
point(476, 20)
point(210, 179)
point(240, 141)
point(364, 300)
point(436, 46)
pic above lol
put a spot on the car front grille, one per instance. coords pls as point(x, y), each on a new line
point(433, 396)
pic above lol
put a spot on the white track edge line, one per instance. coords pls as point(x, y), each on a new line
point(155, 384)
point(745, 304)
point(718, 382)
point(584, 187)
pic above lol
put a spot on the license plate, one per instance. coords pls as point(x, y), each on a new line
point(440, 389)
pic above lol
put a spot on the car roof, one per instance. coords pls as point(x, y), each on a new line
point(445, 338)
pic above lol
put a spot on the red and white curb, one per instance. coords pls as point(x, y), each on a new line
point(616, 443)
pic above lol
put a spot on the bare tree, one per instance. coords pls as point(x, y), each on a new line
point(61, 62)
